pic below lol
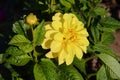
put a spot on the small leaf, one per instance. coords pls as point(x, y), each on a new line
point(18, 39)
point(22, 42)
point(107, 38)
point(99, 11)
point(111, 62)
point(65, 3)
point(1, 78)
point(1, 58)
point(101, 74)
point(104, 49)
point(110, 23)
point(69, 73)
point(45, 70)
point(20, 27)
point(38, 72)
point(19, 60)
point(95, 33)
point(12, 50)
point(39, 33)
point(80, 64)
point(71, 1)
point(111, 74)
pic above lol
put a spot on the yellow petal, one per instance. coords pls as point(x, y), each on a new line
point(58, 37)
point(55, 46)
point(46, 43)
point(79, 26)
point(84, 48)
point(74, 20)
point(48, 26)
point(83, 32)
point(57, 25)
point(61, 57)
point(70, 55)
point(67, 20)
point(50, 33)
point(82, 41)
point(51, 55)
point(78, 52)
point(57, 17)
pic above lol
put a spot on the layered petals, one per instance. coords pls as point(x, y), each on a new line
point(66, 38)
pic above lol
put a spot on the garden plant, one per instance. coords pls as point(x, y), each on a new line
point(62, 40)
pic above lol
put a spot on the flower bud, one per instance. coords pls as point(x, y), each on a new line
point(31, 19)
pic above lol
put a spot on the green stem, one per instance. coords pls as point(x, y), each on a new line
point(14, 73)
point(34, 52)
point(90, 58)
point(89, 20)
point(52, 5)
point(90, 75)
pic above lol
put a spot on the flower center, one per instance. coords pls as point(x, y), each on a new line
point(70, 35)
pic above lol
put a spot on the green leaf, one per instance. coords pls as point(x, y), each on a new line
point(65, 3)
point(109, 23)
point(1, 58)
point(80, 64)
point(19, 39)
point(111, 74)
point(71, 1)
point(19, 60)
point(95, 33)
point(69, 73)
point(101, 74)
point(1, 78)
point(104, 49)
point(12, 50)
point(99, 11)
point(20, 27)
point(22, 42)
point(39, 33)
point(45, 70)
point(38, 72)
point(17, 56)
point(107, 38)
point(111, 62)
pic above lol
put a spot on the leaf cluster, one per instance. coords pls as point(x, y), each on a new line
point(25, 45)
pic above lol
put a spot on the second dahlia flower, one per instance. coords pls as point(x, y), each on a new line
point(66, 37)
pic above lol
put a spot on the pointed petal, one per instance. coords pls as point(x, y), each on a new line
point(84, 48)
point(74, 21)
point(57, 17)
point(80, 25)
point(50, 33)
point(83, 32)
point(62, 55)
point(57, 25)
point(67, 20)
point(82, 41)
point(49, 55)
point(78, 52)
point(58, 37)
point(48, 26)
point(70, 55)
point(46, 43)
point(55, 46)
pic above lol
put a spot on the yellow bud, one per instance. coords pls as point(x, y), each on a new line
point(31, 19)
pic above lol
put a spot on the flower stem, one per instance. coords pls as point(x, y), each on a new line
point(89, 20)
point(90, 75)
point(89, 58)
point(34, 52)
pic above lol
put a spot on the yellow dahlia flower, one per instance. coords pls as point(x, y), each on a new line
point(31, 19)
point(66, 37)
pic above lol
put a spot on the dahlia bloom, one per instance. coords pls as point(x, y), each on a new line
point(66, 37)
